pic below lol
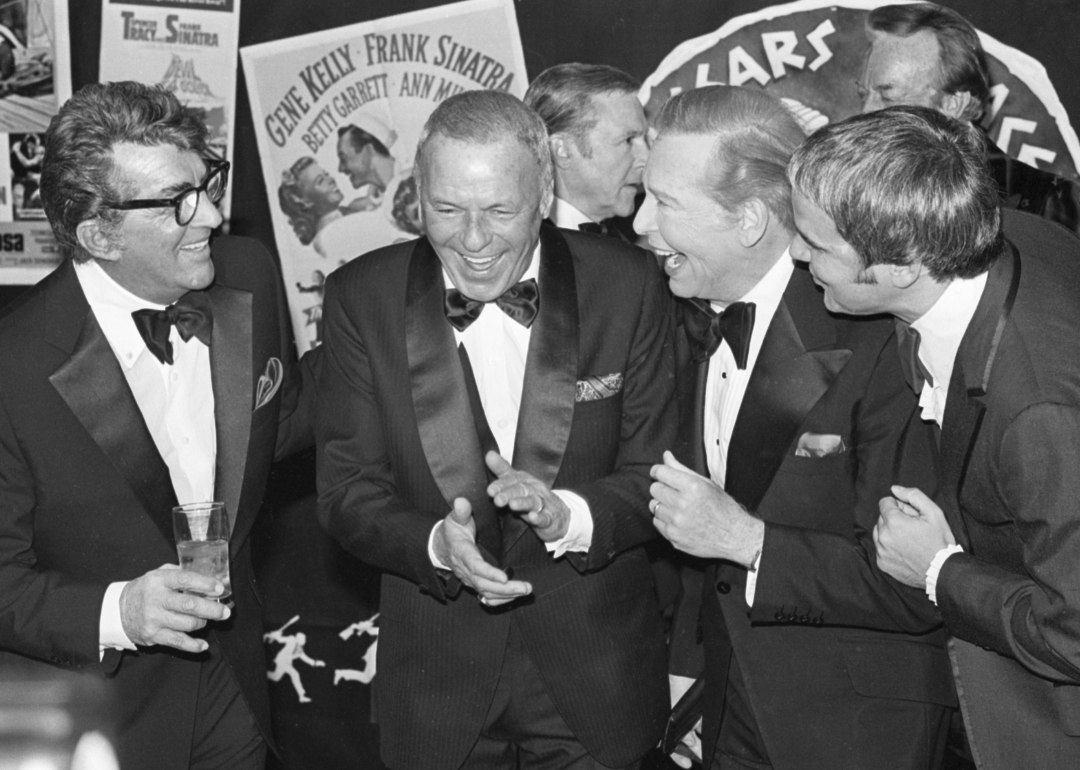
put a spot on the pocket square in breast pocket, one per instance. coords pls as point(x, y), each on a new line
point(269, 382)
point(819, 445)
point(596, 388)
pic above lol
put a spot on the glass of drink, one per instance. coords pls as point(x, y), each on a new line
point(202, 541)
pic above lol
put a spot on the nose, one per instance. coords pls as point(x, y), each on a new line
point(475, 236)
point(641, 151)
point(645, 221)
point(206, 213)
point(798, 250)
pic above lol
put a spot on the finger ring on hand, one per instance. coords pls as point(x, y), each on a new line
point(541, 506)
point(483, 600)
point(653, 505)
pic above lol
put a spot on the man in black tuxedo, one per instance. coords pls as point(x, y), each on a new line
point(897, 214)
point(596, 127)
point(104, 428)
point(495, 394)
point(792, 427)
point(927, 55)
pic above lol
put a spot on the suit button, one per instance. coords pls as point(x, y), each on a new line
point(723, 587)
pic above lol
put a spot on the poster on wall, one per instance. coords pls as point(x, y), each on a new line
point(35, 79)
point(187, 46)
point(337, 116)
point(810, 54)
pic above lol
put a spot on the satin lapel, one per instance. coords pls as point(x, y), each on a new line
point(93, 385)
point(786, 383)
point(690, 390)
point(547, 398)
point(233, 384)
point(965, 403)
point(444, 418)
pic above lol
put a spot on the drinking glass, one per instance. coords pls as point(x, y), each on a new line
point(202, 541)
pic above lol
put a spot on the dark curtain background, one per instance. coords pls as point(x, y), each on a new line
point(301, 570)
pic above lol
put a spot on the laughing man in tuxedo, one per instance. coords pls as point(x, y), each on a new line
point(909, 224)
point(792, 425)
point(495, 393)
point(110, 415)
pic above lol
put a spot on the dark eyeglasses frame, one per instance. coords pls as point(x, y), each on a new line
point(216, 168)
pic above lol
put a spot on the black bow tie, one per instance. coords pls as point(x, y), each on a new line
point(521, 302)
point(192, 316)
point(916, 374)
point(596, 228)
point(705, 329)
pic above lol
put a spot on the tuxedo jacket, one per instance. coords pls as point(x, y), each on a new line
point(397, 442)
point(843, 667)
point(1010, 444)
point(86, 499)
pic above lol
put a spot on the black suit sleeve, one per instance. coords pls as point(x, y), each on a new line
point(1034, 617)
point(44, 613)
point(358, 500)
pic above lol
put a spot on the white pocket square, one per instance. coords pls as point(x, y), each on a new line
point(269, 382)
point(819, 445)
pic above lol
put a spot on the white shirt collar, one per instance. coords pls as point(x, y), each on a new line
point(113, 305)
point(942, 327)
point(566, 215)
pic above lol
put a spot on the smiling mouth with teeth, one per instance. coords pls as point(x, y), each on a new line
point(672, 259)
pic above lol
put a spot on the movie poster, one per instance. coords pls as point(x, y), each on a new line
point(187, 46)
point(810, 54)
point(35, 79)
point(338, 114)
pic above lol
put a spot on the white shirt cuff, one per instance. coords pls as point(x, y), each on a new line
point(751, 580)
point(110, 628)
point(579, 533)
point(935, 569)
point(431, 547)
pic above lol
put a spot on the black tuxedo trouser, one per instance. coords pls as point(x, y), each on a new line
point(523, 729)
point(225, 734)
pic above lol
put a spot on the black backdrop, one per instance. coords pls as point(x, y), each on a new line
point(302, 571)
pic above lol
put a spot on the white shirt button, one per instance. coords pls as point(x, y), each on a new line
point(503, 422)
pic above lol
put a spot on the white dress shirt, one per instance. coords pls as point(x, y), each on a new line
point(177, 404)
point(941, 329)
point(726, 384)
point(566, 215)
point(498, 347)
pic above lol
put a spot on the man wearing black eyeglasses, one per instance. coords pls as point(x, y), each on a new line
point(153, 367)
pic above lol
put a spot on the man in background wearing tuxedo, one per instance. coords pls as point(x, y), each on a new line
point(597, 130)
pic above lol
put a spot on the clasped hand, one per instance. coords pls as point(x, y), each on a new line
point(527, 497)
point(699, 517)
point(162, 607)
point(908, 534)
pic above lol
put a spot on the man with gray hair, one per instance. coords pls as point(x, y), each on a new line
point(792, 427)
point(896, 214)
point(492, 398)
point(927, 55)
point(597, 135)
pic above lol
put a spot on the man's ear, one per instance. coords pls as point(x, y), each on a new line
point(902, 276)
point(753, 222)
point(92, 237)
point(956, 105)
point(561, 152)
